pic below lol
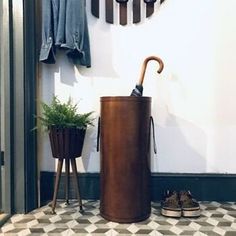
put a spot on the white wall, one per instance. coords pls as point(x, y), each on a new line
point(194, 99)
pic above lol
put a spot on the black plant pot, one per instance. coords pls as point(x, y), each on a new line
point(66, 143)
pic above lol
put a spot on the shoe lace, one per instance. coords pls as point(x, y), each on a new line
point(172, 199)
point(186, 197)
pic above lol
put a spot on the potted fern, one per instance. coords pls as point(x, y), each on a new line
point(66, 127)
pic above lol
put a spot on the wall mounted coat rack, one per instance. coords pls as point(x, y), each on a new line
point(123, 10)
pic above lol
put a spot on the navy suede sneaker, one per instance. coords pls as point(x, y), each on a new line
point(190, 207)
point(170, 206)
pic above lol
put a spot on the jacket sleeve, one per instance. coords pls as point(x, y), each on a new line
point(77, 35)
point(47, 52)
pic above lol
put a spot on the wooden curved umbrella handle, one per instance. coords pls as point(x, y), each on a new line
point(144, 67)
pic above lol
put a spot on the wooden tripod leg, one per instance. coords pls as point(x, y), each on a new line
point(76, 182)
point(67, 162)
point(56, 186)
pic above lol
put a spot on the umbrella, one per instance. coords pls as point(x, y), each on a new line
point(138, 91)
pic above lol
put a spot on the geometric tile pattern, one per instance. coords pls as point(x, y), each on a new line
point(216, 219)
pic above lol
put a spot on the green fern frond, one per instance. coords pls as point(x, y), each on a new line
point(64, 115)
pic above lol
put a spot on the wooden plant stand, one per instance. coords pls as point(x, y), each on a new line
point(66, 145)
point(76, 182)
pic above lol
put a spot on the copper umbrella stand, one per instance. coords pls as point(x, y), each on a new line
point(138, 91)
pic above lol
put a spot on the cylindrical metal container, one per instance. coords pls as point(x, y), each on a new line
point(125, 158)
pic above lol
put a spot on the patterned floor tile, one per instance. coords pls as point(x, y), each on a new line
point(217, 219)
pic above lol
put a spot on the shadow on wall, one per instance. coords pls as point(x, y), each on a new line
point(181, 147)
point(101, 50)
point(100, 44)
point(66, 69)
point(47, 91)
point(90, 150)
point(53, 77)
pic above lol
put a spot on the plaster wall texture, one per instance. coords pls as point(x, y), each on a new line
point(193, 100)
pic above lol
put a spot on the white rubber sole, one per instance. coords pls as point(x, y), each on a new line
point(191, 213)
point(170, 213)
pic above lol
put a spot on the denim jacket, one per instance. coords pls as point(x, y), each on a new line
point(64, 26)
